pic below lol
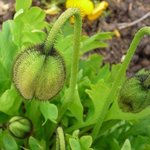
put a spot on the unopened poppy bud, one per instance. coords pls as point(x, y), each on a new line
point(39, 75)
point(135, 95)
point(20, 127)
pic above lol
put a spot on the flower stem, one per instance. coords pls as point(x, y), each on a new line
point(76, 47)
point(59, 23)
point(137, 38)
point(60, 142)
point(74, 68)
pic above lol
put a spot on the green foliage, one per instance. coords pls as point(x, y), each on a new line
point(8, 142)
point(35, 144)
point(49, 111)
point(94, 83)
point(8, 50)
point(126, 145)
point(76, 105)
point(126, 135)
point(23, 4)
point(10, 101)
point(27, 27)
point(82, 143)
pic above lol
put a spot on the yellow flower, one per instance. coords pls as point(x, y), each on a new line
point(98, 10)
point(85, 6)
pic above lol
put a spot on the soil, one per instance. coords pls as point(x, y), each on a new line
point(119, 11)
point(125, 11)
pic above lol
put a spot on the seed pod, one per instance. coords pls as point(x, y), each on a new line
point(134, 95)
point(20, 127)
point(39, 75)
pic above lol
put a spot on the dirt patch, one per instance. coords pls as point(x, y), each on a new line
point(125, 11)
point(6, 10)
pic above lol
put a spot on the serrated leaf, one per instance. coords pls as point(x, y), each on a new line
point(95, 41)
point(49, 111)
point(91, 46)
point(64, 43)
point(100, 36)
point(91, 66)
point(98, 94)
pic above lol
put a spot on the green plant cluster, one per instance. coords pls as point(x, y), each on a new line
point(94, 104)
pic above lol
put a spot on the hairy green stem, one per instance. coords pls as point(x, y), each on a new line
point(76, 47)
point(59, 23)
point(138, 36)
point(75, 61)
point(60, 142)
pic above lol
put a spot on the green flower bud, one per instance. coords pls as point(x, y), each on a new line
point(135, 93)
point(39, 75)
point(20, 127)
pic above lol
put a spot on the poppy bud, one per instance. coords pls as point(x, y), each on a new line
point(39, 75)
point(20, 127)
point(135, 93)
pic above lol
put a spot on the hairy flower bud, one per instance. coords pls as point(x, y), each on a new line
point(135, 93)
point(20, 127)
point(39, 75)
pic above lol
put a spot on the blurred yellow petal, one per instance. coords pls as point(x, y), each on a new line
point(117, 33)
point(53, 10)
point(85, 6)
point(97, 12)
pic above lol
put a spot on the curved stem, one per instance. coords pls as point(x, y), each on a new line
point(137, 38)
point(76, 47)
point(59, 23)
point(74, 68)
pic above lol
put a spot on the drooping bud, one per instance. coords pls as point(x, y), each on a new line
point(135, 93)
point(39, 75)
point(20, 127)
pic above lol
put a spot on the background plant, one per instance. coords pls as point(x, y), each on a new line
point(27, 29)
